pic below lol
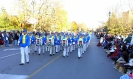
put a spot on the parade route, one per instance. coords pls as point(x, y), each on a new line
point(9, 55)
point(93, 65)
point(2, 76)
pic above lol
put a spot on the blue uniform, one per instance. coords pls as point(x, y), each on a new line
point(68, 40)
point(88, 38)
point(59, 41)
point(33, 39)
point(55, 40)
point(76, 40)
point(27, 41)
point(44, 39)
point(24, 49)
point(73, 40)
point(84, 40)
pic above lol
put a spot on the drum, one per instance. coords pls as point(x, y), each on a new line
point(64, 42)
point(38, 42)
point(49, 43)
point(80, 44)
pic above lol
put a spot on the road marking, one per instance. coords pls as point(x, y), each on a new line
point(9, 55)
point(11, 49)
point(34, 73)
point(9, 76)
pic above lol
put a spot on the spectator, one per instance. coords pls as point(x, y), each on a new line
point(122, 60)
point(1, 38)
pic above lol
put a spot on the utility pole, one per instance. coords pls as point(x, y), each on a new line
point(109, 18)
point(109, 21)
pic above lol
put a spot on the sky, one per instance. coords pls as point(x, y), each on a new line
point(90, 12)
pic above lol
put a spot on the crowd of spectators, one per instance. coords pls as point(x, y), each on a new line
point(119, 49)
point(8, 38)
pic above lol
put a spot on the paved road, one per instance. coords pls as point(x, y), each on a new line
point(93, 65)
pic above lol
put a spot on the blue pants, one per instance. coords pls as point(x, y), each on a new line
point(6, 43)
point(15, 42)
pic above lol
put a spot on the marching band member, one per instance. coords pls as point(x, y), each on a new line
point(39, 43)
point(24, 43)
point(47, 38)
point(80, 47)
point(84, 43)
point(70, 43)
point(67, 50)
point(88, 40)
point(62, 37)
point(76, 41)
point(44, 39)
point(73, 42)
point(65, 46)
point(58, 44)
point(50, 43)
point(32, 42)
point(55, 42)
point(35, 42)
point(90, 36)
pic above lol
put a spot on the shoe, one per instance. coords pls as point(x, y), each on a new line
point(50, 54)
point(78, 57)
point(27, 62)
point(35, 51)
point(38, 54)
point(53, 54)
point(21, 64)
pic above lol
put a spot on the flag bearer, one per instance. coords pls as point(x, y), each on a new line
point(24, 42)
point(80, 46)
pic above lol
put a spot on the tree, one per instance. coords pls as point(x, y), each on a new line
point(73, 26)
point(4, 19)
point(82, 27)
point(46, 11)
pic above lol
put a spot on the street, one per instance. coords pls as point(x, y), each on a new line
point(94, 64)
